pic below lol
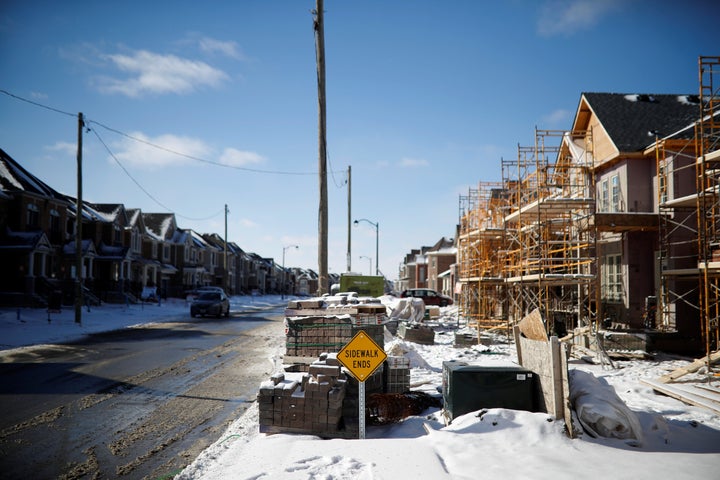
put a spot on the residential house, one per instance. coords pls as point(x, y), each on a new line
point(34, 226)
point(439, 259)
point(160, 229)
point(307, 282)
point(223, 276)
point(113, 271)
point(623, 128)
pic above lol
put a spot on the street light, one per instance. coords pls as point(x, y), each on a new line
point(284, 285)
point(377, 241)
point(369, 264)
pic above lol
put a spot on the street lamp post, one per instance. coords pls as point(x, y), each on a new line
point(369, 259)
point(284, 284)
point(377, 241)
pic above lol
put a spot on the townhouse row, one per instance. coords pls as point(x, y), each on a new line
point(123, 251)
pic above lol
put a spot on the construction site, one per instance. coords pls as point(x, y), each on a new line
point(610, 229)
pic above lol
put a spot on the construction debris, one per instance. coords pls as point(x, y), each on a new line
point(421, 334)
point(386, 408)
point(711, 359)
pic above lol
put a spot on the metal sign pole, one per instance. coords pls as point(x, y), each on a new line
point(361, 410)
point(362, 356)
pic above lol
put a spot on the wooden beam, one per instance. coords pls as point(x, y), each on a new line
point(693, 367)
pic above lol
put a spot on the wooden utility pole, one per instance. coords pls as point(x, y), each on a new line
point(322, 149)
point(349, 223)
point(226, 287)
point(78, 226)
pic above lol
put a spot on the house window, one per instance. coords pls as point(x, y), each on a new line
point(33, 215)
point(154, 249)
point(166, 253)
point(136, 243)
point(615, 205)
point(612, 278)
point(604, 196)
point(54, 222)
point(118, 234)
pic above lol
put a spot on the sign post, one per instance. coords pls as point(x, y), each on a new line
point(361, 356)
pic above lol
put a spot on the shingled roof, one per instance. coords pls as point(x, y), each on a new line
point(633, 120)
point(14, 178)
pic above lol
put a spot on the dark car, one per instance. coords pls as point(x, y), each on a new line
point(210, 302)
point(429, 297)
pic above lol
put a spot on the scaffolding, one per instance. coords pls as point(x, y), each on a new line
point(688, 168)
point(551, 262)
point(480, 243)
point(529, 241)
point(707, 138)
point(677, 200)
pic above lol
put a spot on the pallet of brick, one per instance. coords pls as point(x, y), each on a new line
point(315, 335)
point(396, 374)
point(307, 403)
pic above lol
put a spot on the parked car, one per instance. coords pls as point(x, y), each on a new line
point(210, 302)
point(429, 297)
point(191, 295)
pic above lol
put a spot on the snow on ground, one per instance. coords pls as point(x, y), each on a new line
point(678, 441)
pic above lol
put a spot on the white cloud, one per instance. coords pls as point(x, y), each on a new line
point(239, 158)
point(229, 49)
point(565, 17)
point(64, 147)
point(557, 117)
point(413, 162)
point(159, 74)
point(143, 155)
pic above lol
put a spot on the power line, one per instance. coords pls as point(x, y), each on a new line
point(56, 110)
point(154, 145)
point(143, 188)
point(199, 159)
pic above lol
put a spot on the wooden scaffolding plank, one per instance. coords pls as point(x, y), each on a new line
point(682, 395)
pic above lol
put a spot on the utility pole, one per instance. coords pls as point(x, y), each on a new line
point(78, 226)
point(349, 182)
point(226, 287)
point(322, 149)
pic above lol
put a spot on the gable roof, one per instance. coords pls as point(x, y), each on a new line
point(633, 120)
point(160, 224)
point(444, 245)
point(15, 178)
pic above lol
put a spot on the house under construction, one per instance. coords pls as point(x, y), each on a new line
point(613, 224)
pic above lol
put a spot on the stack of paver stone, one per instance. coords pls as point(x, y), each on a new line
point(313, 327)
point(397, 374)
point(309, 402)
point(315, 395)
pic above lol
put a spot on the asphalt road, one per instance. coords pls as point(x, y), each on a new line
point(136, 403)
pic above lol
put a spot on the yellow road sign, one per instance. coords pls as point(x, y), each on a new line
point(362, 356)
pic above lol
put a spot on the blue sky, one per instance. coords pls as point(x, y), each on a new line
point(424, 99)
